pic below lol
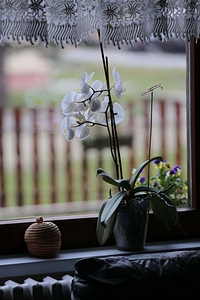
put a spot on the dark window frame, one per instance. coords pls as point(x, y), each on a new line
point(80, 231)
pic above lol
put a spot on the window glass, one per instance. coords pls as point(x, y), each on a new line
point(41, 172)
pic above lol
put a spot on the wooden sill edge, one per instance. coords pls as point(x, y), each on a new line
point(26, 265)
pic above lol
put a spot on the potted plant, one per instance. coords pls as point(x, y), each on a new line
point(126, 212)
point(92, 105)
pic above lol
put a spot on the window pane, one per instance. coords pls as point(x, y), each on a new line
point(44, 173)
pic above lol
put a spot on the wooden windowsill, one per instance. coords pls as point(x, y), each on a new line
point(26, 265)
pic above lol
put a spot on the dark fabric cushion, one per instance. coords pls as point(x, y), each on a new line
point(169, 275)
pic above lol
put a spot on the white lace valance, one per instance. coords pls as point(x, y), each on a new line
point(118, 21)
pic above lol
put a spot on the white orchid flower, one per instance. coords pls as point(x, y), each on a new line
point(100, 118)
point(89, 107)
point(95, 104)
point(104, 104)
point(81, 97)
point(86, 78)
point(83, 131)
point(117, 108)
point(68, 103)
point(92, 117)
point(84, 87)
point(98, 86)
point(79, 107)
point(65, 127)
point(79, 118)
point(118, 85)
point(118, 112)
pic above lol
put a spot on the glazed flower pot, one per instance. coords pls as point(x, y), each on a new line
point(131, 224)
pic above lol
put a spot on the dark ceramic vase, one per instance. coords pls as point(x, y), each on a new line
point(131, 224)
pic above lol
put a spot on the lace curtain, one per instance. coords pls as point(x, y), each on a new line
point(118, 21)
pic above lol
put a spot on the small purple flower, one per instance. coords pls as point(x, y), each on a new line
point(175, 170)
point(142, 179)
point(157, 161)
point(177, 167)
point(155, 184)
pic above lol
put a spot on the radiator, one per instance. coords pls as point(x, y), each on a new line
point(47, 289)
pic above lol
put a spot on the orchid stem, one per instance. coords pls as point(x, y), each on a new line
point(113, 135)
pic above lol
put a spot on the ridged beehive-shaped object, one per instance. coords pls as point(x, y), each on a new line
point(43, 239)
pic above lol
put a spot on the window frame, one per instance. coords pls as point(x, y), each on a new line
point(80, 231)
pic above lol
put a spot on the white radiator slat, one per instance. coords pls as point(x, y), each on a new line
point(19, 291)
point(48, 289)
point(40, 290)
point(60, 288)
point(5, 293)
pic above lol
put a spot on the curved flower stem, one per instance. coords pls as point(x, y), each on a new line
point(112, 129)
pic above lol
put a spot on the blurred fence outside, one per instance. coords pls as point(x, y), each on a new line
point(41, 173)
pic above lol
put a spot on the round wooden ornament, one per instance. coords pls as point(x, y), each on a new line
point(43, 239)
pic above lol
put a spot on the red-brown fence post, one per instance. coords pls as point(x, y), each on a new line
point(69, 174)
point(17, 113)
point(36, 192)
point(52, 156)
point(84, 175)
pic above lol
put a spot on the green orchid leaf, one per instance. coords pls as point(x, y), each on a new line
point(111, 206)
point(167, 188)
point(164, 210)
point(140, 169)
point(145, 189)
point(123, 183)
point(104, 231)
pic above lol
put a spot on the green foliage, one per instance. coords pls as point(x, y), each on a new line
point(103, 231)
point(160, 203)
point(169, 179)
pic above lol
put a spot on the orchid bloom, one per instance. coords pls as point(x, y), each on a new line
point(118, 85)
point(68, 104)
point(66, 129)
point(84, 87)
point(89, 106)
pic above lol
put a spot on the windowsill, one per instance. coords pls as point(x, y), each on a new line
point(26, 265)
